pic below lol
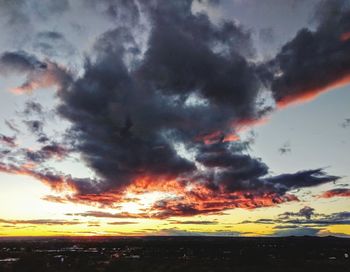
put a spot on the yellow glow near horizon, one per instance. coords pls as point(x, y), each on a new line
point(22, 200)
point(141, 201)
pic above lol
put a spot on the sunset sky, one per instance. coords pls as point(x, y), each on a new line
point(174, 117)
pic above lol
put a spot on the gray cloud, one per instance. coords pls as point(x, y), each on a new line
point(314, 61)
point(53, 44)
point(39, 74)
point(132, 109)
point(306, 217)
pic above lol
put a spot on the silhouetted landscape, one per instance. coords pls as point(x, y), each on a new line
point(175, 254)
point(174, 136)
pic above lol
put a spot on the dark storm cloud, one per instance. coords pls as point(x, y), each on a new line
point(188, 53)
point(314, 61)
point(126, 120)
point(133, 109)
point(119, 115)
point(223, 155)
point(193, 80)
point(249, 178)
point(302, 179)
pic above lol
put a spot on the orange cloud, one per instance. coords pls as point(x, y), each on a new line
point(52, 75)
point(192, 198)
point(235, 127)
point(56, 182)
point(309, 95)
point(340, 192)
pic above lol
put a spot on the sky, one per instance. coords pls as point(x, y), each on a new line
point(187, 117)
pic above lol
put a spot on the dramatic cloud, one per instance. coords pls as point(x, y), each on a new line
point(163, 115)
point(314, 61)
point(56, 181)
point(302, 179)
point(127, 121)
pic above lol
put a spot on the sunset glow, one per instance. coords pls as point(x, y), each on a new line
point(186, 117)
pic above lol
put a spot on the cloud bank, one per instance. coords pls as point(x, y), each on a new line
point(164, 117)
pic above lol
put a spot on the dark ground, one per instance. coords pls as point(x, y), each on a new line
point(175, 254)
